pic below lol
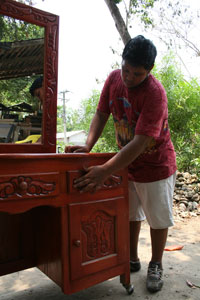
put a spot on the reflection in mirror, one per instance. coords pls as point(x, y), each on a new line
point(21, 63)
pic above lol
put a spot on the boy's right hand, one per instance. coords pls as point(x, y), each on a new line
point(77, 149)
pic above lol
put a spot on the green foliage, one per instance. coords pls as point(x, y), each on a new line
point(14, 91)
point(60, 146)
point(142, 10)
point(16, 30)
point(107, 142)
point(80, 120)
point(72, 119)
point(184, 113)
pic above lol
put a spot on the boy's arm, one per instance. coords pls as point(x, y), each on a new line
point(96, 175)
point(96, 127)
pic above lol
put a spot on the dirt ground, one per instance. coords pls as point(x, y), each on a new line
point(179, 266)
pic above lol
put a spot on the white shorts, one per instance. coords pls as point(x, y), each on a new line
point(152, 200)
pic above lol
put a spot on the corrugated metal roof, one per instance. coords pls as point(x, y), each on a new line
point(22, 58)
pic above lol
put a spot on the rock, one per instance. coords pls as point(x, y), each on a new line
point(193, 214)
point(182, 206)
point(186, 196)
point(194, 205)
point(189, 195)
point(179, 184)
point(177, 197)
point(196, 197)
point(184, 201)
point(190, 206)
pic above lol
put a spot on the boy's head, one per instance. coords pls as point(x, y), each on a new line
point(138, 59)
point(140, 52)
point(37, 88)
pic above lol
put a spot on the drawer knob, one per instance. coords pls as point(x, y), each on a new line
point(23, 186)
point(77, 243)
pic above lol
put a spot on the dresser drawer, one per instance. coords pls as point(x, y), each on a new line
point(13, 187)
point(113, 182)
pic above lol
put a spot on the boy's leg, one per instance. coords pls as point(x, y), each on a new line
point(134, 237)
point(136, 215)
point(157, 201)
point(158, 241)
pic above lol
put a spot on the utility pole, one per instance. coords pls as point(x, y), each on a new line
point(64, 113)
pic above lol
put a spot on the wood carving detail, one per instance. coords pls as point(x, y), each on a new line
point(22, 185)
point(51, 83)
point(14, 8)
point(98, 236)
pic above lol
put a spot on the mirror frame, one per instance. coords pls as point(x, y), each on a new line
point(50, 22)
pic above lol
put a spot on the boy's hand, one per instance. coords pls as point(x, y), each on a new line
point(76, 149)
point(92, 180)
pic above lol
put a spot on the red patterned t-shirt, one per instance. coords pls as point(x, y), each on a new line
point(141, 110)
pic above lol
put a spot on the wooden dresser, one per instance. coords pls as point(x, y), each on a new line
point(77, 240)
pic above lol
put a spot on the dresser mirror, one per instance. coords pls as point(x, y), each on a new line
point(28, 54)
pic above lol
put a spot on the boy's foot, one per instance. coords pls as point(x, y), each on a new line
point(154, 277)
point(135, 266)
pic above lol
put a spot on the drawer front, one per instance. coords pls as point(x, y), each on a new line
point(13, 187)
point(114, 181)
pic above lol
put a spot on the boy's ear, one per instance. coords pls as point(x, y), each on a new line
point(151, 68)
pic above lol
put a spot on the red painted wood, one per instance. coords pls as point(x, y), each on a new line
point(59, 220)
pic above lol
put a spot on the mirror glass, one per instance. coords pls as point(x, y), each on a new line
point(21, 62)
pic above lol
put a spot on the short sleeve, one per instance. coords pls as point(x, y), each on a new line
point(103, 104)
point(153, 114)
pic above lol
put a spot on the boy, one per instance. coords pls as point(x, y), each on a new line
point(138, 103)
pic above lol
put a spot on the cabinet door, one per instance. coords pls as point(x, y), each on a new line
point(98, 235)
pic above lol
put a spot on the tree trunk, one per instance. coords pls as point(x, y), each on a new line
point(119, 22)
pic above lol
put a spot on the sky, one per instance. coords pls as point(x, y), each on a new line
point(86, 33)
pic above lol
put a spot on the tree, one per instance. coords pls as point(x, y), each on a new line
point(177, 32)
point(119, 22)
point(181, 21)
point(134, 7)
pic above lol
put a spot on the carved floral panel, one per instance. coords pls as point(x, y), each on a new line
point(98, 236)
point(20, 186)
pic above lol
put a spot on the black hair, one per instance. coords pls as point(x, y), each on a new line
point(140, 51)
point(37, 83)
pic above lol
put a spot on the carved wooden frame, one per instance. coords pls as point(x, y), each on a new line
point(51, 24)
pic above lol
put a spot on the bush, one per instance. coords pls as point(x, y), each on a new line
point(184, 113)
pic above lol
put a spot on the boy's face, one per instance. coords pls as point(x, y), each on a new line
point(133, 76)
point(39, 93)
